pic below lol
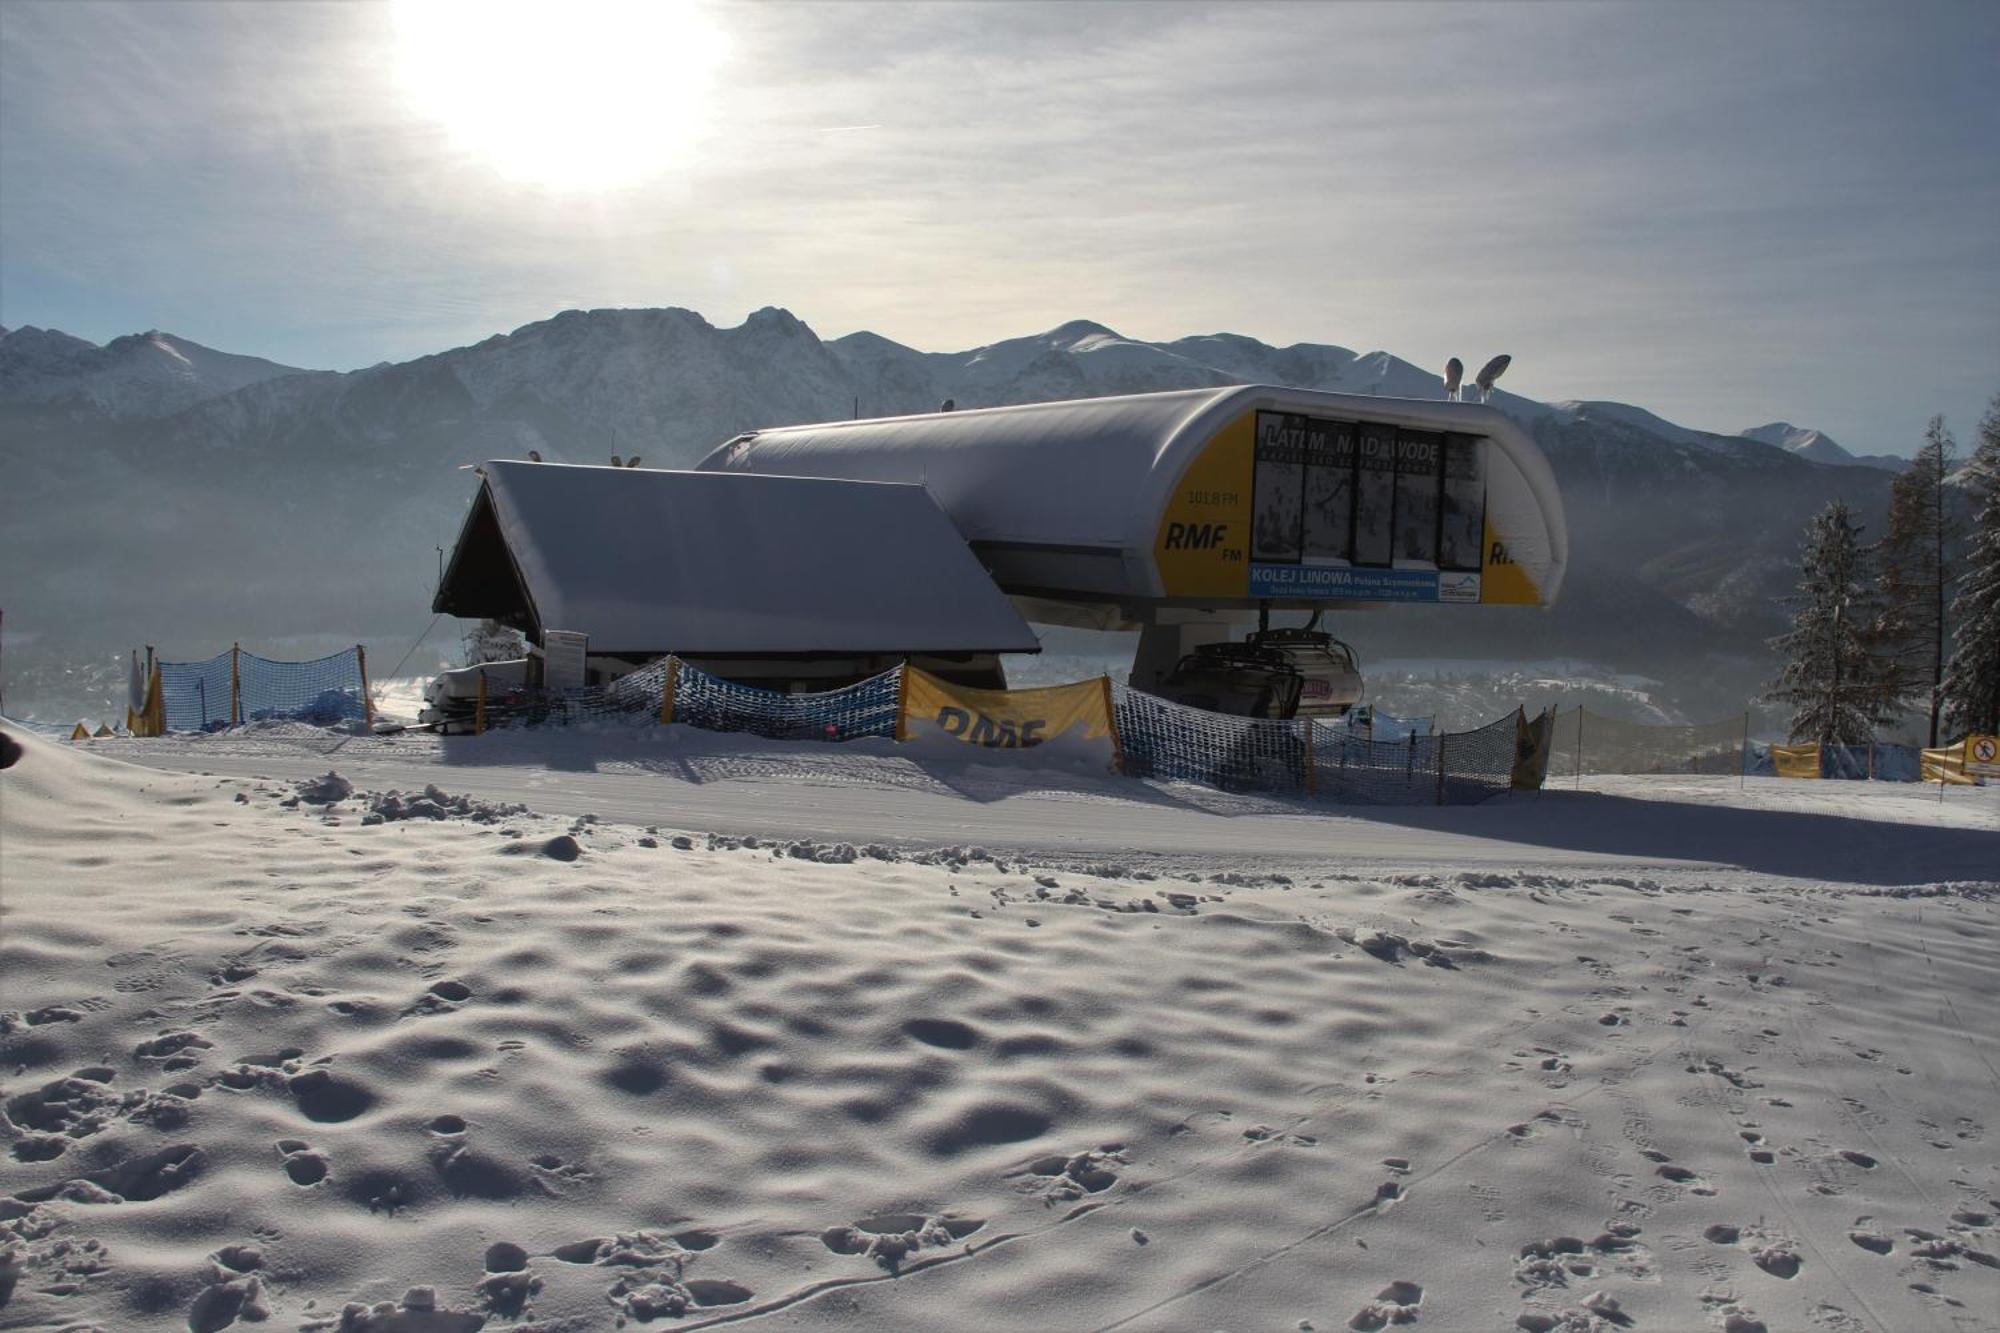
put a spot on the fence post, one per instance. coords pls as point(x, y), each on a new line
point(1743, 756)
point(1437, 750)
point(367, 699)
point(903, 701)
point(479, 710)
point(1549, 742)
point(667, 690)
point(1312, 767)
point(156, 698)
point(1111, 724)
point(1579, 747)
point(235, 685)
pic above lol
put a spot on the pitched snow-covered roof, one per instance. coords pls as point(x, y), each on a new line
point(712, 563)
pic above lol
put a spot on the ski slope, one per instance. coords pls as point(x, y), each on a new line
point(874, 791)
point(722, 1033)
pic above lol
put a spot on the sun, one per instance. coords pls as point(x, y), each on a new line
point(571, 94)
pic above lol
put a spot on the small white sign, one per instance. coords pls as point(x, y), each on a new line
point(1458, 587)
point(562, 659)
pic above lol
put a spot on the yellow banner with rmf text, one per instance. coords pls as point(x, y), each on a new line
point(1795, 761)
point(1078, 715)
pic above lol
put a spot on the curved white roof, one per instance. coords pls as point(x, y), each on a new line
point(1099, 472)
point(1041, 472)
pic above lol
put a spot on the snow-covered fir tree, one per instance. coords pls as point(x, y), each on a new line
point(491, 641)
point(1830, 679)
point(1972, 678)
point(1913, 627)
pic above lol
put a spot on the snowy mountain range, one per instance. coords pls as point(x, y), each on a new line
point(628, 373)
point(1819, 447)
point(161, 491)
point(141, 375)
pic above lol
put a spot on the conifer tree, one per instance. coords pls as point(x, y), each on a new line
point(1913, 627)
point(1972, 679)
point(1830, 678)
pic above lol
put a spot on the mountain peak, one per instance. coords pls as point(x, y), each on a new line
point(29, 340)
point(775, 320)
point(620, 319)
point(146, 374)
point(1077, 330)
point(1818, 447)
point(1624, 414)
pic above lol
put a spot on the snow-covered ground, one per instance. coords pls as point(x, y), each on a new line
point(717, 1030)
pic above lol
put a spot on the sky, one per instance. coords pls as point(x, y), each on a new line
point(1728, 213)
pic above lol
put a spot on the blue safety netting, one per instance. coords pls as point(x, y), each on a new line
point(1473, 765)
point(1882, 763)
point(867, 708)
point(1376, 725)
point(1324, 760)
point(323, 691)
point(195, 696)
point(1163, 739)
point(198, 696)
point(1353, 767)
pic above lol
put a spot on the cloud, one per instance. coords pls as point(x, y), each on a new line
point(1716, 210)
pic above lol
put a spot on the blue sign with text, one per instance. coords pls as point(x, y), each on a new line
point(1342, 584)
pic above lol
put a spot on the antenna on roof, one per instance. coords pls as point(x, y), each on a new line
point(1454, 372)
point(1489, 372)
point(948, 405)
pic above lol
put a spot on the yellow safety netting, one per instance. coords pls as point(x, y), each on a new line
point(1534, 740)
point(152, 719)
point(1947, 764)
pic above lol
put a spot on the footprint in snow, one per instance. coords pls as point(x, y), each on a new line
point(1395, 1304)
point(507, 1285)
point(1778, 1259)
point(890, 1238)
point(302, 1164)
point(1687, 1179)
point(235, 1290)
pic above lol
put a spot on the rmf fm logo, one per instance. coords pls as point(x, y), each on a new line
point(979, 729)
point(1196, 536)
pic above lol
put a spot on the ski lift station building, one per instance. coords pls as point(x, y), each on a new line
point(789, 550)
point(1180, 513)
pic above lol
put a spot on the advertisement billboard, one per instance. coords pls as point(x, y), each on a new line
point(1278, 512)
point(1462, 523)
point(1375, 496)
point(1329, 525)
point(1417, 454)
point(1293, 507)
